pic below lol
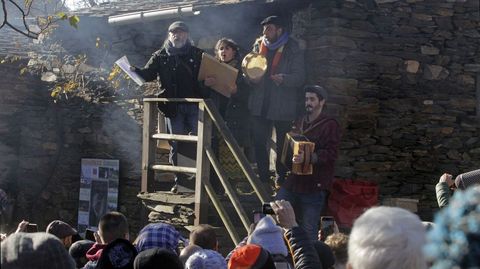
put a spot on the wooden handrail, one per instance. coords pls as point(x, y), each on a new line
point(222, 213)
point(228, 188)
point(236, 151)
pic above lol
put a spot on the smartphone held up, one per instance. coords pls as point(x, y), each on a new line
point(327, 226)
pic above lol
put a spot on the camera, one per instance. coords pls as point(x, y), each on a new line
point(31, 228)
point(267, 209)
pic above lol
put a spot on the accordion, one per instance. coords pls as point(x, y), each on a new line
point(293, 145)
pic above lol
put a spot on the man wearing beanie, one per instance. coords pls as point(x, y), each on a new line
point(273, 101)
point(154, 258)
point(270, 237)
point(251, 256)
point(309, 192)
point(176, 67)
point(206, 259)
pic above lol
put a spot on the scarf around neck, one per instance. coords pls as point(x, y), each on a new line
point(172, 51)
point(278, 45)
point(282, 40)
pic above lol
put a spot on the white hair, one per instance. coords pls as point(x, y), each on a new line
point(387, 238)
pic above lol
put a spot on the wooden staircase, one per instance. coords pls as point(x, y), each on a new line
point(231, 211)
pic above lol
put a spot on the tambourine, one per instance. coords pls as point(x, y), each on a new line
point(254, 66)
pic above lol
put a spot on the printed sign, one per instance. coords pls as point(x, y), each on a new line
point(98, 191)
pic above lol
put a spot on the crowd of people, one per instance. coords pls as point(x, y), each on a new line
point(381, 238)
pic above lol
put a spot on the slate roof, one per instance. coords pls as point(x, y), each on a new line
point(13, 43)
point(128, 6)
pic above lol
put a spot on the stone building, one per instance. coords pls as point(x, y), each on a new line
point(403, 77)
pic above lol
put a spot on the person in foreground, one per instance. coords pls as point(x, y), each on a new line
point(387, 238)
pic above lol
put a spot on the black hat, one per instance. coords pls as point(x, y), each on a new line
point(278, 21)
point(319, 90)
point(60, 229)
point(152, 257)
point(178, 25)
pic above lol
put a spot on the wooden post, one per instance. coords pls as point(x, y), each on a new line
point(148, 145)
point(203, 165)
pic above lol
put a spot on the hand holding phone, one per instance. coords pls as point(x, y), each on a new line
point(267, 209)
point(327, 227)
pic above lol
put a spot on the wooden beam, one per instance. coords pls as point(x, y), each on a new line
point(228, 189)
point(186, 138)
point(222, 213)
point(203, 166)
point(237, 152)
point(171, 168)
point(186, 100)
point(148, 146)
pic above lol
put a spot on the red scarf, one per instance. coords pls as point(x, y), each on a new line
point(276, 58)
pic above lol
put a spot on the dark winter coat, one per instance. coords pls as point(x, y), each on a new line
point(304, 254)
point(177, 76)
point(283, 99)
point(237, 115)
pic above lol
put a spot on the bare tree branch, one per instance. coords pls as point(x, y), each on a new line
point(25, 29)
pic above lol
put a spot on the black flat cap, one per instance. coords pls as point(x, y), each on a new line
point(276, 20)
point(319, 90)
point(180, 25)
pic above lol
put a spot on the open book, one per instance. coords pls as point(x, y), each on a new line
point(125, 66)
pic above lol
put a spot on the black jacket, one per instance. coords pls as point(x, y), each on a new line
point(177, 76)
point(302, 249)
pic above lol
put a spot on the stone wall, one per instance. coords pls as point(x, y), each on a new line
point(402, 76)
point(42, 143)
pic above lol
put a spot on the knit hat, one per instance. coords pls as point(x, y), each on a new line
point(157, 257)
point(60, 229)
point(34, 250)
point(454, 240)
point(325, 253)
point(78, 250)
point(468, 179)
point(178, 25)
point(206, 259)
point(159, 235)
point(250, 256)
point(269, 236)
point(120, 254)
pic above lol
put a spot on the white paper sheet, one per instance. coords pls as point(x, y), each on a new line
point(125, 66)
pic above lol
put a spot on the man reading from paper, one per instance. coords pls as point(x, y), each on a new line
point(176, 66)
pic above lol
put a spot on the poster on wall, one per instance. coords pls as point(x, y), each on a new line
point(98, 191)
